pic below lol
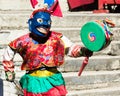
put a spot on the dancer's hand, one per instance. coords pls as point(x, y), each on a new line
point(86, 52)
point(10, 76)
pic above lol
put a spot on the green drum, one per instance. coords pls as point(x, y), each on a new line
point(95, 35)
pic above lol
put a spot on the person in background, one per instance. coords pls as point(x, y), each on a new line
point(1, 87)
point(42, 51)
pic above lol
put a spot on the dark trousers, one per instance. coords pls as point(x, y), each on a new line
point(1, 87)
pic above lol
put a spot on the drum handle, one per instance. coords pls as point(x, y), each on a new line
point(85, 62)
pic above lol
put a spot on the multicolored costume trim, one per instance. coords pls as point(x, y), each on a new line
point(43, 83)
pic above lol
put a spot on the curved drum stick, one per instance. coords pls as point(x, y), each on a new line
point(18, 87)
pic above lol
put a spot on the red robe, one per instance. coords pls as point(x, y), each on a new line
point(77, 3)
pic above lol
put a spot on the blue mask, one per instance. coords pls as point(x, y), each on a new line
point(40, 19)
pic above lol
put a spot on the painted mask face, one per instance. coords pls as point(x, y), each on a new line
point(40, 23)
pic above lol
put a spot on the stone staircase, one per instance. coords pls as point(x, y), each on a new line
point(101, 76)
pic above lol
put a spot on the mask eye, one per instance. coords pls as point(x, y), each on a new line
point(40, 20)
point(49, 22)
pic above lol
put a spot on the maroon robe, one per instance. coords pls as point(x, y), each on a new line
point(77, 3)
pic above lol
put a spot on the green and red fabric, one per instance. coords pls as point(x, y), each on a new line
point(43, 83)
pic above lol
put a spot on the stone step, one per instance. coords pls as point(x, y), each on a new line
point(83, 18)
point(72, 33)
point(8, 35)
point(111, 91)
point(91, 80)
point(18, 19)
point(102, 62)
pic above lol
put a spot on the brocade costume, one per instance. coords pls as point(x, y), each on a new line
point(40, 62)
point(50, 54)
